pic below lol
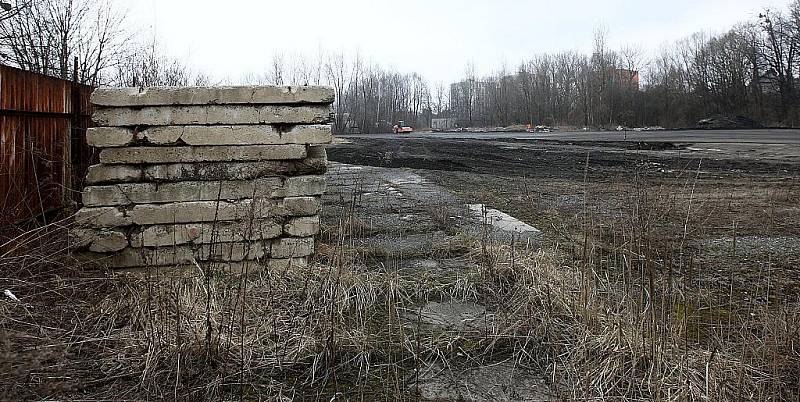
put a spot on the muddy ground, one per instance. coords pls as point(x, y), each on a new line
point(728, 212)
point(717, 222)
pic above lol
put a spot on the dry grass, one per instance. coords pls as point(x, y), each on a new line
point(612, 323)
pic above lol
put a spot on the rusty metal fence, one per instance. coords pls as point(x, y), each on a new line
point(43, 150)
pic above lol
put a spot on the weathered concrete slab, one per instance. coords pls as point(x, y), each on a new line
point(212, 115)
point(505, 227)
point(152, 193)
point(304, 185)
point(191, 176)
point(292, 247)
point(108, 241)
point(303, 134)
point(493, 381)
point(114, 174)
point(314, 164)
point(302, 206)
point(108, 137)
point(105, 217)
point(202, 211)
point(158, 96)
point(302, 227)
point(204, 233)
point(181, 255)
point(98, 240)
point(132, 155)
point(238, 171)
point(210, 211)
point(317, 152)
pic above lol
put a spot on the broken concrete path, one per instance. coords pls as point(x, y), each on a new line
point(399, 220)
point(408, 203)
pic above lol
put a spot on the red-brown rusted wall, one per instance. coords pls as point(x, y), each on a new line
point(43, 151)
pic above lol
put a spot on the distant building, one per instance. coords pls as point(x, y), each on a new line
point(443, 124)
point(470, 101)
point(769, 82)
point(628, 78)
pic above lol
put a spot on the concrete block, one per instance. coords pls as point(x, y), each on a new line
point(133, 155)
point(98, 240)
point(207, 211)
point(292, 247)
point(234, 170)
point(304, 186)
point(181, 255)
point(317, 152)
point(108, 137)
point(308, 134)
point(157, 96)
point(202, 233)
point(237, 135)
point(114, 174)
point(207, 171)
point(212, 115)
point(302, 227)
point(302, 206)
point(105, 217)
point(108, 241)
point(152, 193)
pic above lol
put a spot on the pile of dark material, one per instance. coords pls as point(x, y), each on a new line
point(728, 122)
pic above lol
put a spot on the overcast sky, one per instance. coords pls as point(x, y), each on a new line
point(437, 38)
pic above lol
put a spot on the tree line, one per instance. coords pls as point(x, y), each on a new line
point(750, 70)
point(53, 37)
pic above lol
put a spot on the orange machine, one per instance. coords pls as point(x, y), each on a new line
point(401, 128)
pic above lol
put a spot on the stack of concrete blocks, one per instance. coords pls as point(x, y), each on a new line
point(191, 176)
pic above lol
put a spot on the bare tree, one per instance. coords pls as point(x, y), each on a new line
point(146, 66)
point(275, 75)
point(440, 99)
point(46, 36)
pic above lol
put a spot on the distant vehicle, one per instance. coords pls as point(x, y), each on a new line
point(538, 129)
point(401, 127)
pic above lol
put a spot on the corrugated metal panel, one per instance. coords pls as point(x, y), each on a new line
point(43, 151)
point(30, 92)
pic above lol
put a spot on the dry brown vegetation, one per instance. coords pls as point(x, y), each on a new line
point(613, 315)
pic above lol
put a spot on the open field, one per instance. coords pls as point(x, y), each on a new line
point(754, 136)
point(734, 206)
point(661, 271)
point(702, 239)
